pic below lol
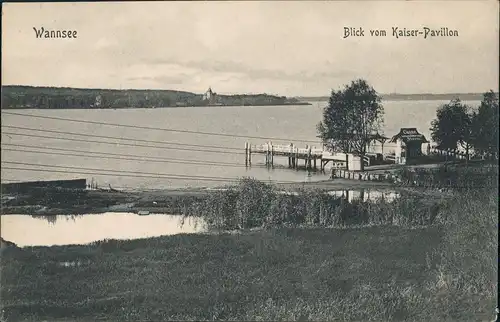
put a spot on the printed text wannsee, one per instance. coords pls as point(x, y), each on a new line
point(398, 32)
point(54, 33)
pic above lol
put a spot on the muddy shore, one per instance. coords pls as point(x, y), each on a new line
point(170, 201)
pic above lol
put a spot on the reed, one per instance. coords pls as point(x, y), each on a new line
point(254, 204)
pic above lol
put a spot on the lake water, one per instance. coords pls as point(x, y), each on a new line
point(25, 230)
point(191, 168)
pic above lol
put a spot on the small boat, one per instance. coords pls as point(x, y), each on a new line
point(143, 213)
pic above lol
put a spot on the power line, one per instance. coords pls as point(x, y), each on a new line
point(118, 143)
point(111, 170)
point(120, 175)
point(159, 129)
point(122, 138)
point(155, 176)
point(117, 154)
point(114, 172)
point(179, 161)
point(7, 181)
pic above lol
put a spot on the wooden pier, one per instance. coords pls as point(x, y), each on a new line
point(310, 155)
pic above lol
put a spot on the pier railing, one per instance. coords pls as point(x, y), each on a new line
point(263, 148)
point(310, 155)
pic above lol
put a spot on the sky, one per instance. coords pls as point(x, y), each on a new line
point(285, 48)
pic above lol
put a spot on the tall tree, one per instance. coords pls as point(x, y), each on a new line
point(452, 126)
point(485, 125)
point(352, 115)
point(466, 131)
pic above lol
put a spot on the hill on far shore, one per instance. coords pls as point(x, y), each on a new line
point(14, 96)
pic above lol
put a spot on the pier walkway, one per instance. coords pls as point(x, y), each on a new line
point(310, 154)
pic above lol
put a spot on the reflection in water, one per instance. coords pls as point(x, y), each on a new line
point(28, 231)
point(365, 195)
point(52, 219)
point(351, 195)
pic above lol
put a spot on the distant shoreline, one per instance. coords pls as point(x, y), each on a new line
point(151, 108)
point(30, 97)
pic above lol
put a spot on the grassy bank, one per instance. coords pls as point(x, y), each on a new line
point(446, 272)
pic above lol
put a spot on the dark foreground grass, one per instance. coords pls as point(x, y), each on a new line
point(382, 273)
point(318, 274)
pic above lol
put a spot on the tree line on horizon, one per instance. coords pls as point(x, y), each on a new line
point(19, 97)
point(410, 97)
point(354, 115)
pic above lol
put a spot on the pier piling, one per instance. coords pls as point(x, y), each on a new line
point(311, 155)
point(272, 154)
point(249, 154)
point(246, 154)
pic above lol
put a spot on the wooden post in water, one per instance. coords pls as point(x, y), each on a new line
point(267, 154)
point(315, 166)
point(246, 154)
point(305, 158)
point(309, 157)
point(296, 158)
point(272, 154)
point(250, 155)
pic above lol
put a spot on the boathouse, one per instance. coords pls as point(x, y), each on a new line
point(408, 145)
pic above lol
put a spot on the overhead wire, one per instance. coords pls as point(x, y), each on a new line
point(158, 176)
point(159, 128)
point(108, 170)
point(120, 172)
point(118, 143)
point(122, 138)
point(145, 175)
point(117, 156)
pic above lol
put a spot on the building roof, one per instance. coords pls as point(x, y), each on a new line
point(377, 137)
point(409, 134)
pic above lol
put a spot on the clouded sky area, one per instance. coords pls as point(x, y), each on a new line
point(286, 48)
